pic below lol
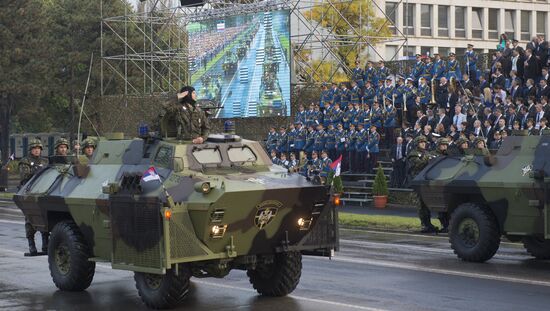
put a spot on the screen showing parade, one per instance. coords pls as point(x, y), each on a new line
point(240, 65)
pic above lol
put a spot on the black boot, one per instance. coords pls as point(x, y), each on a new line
point(32, 247)
point(45, 240)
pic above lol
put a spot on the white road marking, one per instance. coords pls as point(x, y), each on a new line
point(405, 234)
point(321, 301)
point(414, 267)
point(12, 222)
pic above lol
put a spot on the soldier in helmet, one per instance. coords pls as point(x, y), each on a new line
point(61, 152)
point(28, 166)
point(480, 148)
point(416, 161)
point(88, 146)
point(441, 150)
point(460, 147)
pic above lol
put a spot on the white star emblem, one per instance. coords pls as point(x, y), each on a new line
point(526, 169)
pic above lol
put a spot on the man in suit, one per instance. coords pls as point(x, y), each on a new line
point(398, 156)
point(544, 89)
point(531, 66)
point(498, 116)
point(442, 93)
point(517, 62)
point(477, 130)
point(539, 116)
point(498, 79)
point(458, 118)
point(529, 90)
point(545, 75)
point(516, 90)
point(544, 129)
point(467, 84)
point(444, 119)
point(511, 117)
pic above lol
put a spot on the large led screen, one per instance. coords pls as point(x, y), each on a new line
point(241, 64)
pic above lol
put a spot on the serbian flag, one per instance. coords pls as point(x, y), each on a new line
point(150, 175)
point(335, 166)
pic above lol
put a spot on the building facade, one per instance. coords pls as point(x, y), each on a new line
point(444, 26)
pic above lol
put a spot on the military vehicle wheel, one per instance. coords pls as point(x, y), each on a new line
point(68, 255)
point(163, 291)
point(537, 247)
point(279, 278)
point(473, 233)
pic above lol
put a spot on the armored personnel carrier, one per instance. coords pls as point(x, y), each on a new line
point(493, 196)
point(169, 210)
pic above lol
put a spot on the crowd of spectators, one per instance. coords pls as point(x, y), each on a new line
point(207, 44)
point(436, 98)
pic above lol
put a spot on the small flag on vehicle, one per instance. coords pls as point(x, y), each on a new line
point(335, 166)
point(12, 157)
point(150, 175)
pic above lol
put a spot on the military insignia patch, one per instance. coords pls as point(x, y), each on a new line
point(526, 169)
point(267, 211)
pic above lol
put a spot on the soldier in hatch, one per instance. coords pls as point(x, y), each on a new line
point(28, 166)
point(183, 119)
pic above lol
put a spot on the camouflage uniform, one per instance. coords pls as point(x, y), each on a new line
point(58, 158)
point(28, 166)
point(442, 216)
point(190, 121)
point(417, 161)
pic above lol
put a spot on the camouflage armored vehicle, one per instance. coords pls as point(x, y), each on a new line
point(229, 65)
point(488, 197)
point(169, 210)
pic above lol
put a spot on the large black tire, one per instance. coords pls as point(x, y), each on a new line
point(279, 278)
point(68, 255)
point(537, 247)
point(163, 291)
point(474, 233)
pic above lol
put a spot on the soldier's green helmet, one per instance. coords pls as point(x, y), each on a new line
point(420, 139)
point(442, 141)
point(35, 143)
point(62, 141)
point(478, 139)
point(461, 140)
point(88, 142)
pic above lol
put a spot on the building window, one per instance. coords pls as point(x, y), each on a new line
point(391, 50)
point(444, 52)
point(525, 22)
point(477, 23)
point(460, 23)
point(493, 23)
point(510, 23)
point(443, 20)
point(408, 23)
point(409, 50)
point(541, 23)
point(426, 50)
point(460, 52)
point(391, 13)
point(425, 20)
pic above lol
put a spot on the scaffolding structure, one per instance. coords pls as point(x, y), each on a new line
point(145, 52)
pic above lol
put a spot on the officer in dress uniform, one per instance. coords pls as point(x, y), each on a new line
point(355, 93)
point(427, 74)
point(300, 115)
point(340, 137)
point(299, 138)
point(470, 60)
point(410, 94)
point(424, 92)
point(388, 90)
point(382, 72)
point(370, 73)
point(373, 141)
point(453, 68)
point(418, 68)
point(368, 93)
point(390, 122)
point(349, 115)
point(337, 115)
point(271, 141)
point(274, 159)
point(291, 134)
point(357, 74)
point(330, 143)
point(361, 149)
point(351, 141)
point(438, 69)
point(325, 164)
point(310, 140)
point(345, 95)
point(377, 115)
point(282, 141)
point(320, 139)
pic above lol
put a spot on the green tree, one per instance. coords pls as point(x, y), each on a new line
point(24, 58)
point(349, 35)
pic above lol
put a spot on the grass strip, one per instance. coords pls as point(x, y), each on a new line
point(379, 222)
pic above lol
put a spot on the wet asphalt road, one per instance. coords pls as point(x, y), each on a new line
point(373, 271)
